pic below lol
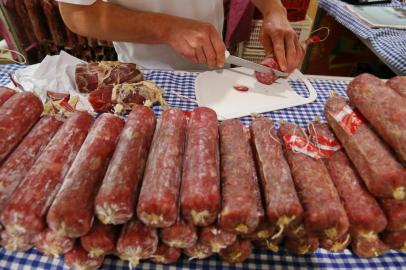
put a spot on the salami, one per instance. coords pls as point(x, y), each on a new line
point(302, 246)
point(165, 254)
point(25, 211)
point(363, 211)
point(54, 20)
point(137, 241)
point(241, 208)
point(115, 204)
point(51, 245)
point(23, 157)
point(100, 240)
point(200, 189)
point(198, 251)
point(216, 238)
point(383, 108)
point(39, 25)
point(78, 258)
point(324, 216)
point(20, 243)
point(395, 240)
point(270, 77)
point(180, 235)
point(90, 76)
point(158, 200)
point(381, 173)
point(396, 213)
point(282, 205)
point(368, 247)
point(17, 115)
point(272, 243)
point(263, 231)
point(338, 245)
point(398, 84)
point(71, 213)
point(5, 94)
point(238, 252)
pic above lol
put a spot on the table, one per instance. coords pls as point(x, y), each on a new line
point(183, 83)
point(388, 44)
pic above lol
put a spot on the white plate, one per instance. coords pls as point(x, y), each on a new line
point(214, 89)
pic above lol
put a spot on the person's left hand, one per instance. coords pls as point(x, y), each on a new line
point(279, 39)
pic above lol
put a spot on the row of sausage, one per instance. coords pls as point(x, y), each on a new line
point(308, 193)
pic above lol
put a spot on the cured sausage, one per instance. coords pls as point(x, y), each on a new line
point(272, 243)
point(198, 251)
point(100, 240)
point(137, 241)
point(158, 200)
point(363, 211)
point(381, 173)
point(115, 204)
point(71, 213)
point(270, 77)
point(200, 189)
point(37, 18)
point(90, 76)
point(16, 166)
point(17, 115)
point(263, 231)
point(324, 216)
point(368, 247)
point(282, 205)
point(383, 108)
point(51, 245)
point(398, 84)
point(241, 207)
point(78, 258)
point(338, 245)
point(216, 238)
point(165, 254)
point(396, 213)
point(238, 252)
point(5, 94)
point(20, 243)
point(302, 246)
point(180, 235)
point(395, 240)
point(25, 212)
point(54, 20)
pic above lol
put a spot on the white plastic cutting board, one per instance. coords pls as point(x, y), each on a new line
point(214, 89)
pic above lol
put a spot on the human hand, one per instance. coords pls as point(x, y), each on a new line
point(279, 38)
point(197, 41)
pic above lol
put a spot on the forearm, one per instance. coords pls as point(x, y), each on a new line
point(269, 7)
point(112, 22)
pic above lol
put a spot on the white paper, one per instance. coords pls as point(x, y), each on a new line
point(55, 73)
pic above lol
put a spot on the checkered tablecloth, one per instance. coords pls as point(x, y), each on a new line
point(183, 83)
point(390, 44)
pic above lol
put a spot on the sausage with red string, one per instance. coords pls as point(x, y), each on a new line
point(324, 216)
point(383, 108)
point(380, 171)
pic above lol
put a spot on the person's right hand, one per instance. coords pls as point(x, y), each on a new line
point(197, 41)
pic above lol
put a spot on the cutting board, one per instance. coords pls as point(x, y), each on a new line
point(214, 89)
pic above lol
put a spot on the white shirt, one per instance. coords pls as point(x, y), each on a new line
point(163, 56)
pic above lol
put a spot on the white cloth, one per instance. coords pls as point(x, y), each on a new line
point(163, 56)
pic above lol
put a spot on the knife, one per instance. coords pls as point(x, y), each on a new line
point(231, 59)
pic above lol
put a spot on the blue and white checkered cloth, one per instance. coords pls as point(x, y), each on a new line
point(389, 43)
point(183, 83)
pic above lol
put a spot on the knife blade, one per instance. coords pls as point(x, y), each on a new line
point(231, 59)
